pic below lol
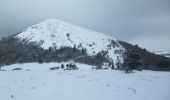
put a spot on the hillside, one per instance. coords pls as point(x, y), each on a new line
point(163, 53)
point(151, 60)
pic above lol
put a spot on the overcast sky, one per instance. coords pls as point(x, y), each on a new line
point(143, 22)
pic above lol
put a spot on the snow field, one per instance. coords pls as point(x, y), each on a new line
point(40, 83)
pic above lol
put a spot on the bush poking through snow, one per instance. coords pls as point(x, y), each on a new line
point(71, 66)
point(12, 96)
point(0, 67)
point(17, 69)
point(55, 68)
point(28, 70)
point(98, 67)
point(62, 66)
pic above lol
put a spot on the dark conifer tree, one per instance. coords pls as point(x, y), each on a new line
point(132, 61)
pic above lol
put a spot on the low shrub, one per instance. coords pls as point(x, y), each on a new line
point(54, 68)
point(17, 69)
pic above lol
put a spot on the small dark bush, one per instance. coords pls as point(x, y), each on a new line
point(68, 34)
point(28, 70)
point(40, 61)
point(71, 67)
point(17, 69)
point(2, 70)
point(62, 66)
point(54, 68)
point(98, 67)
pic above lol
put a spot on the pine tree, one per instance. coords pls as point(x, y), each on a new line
point(62, 66)
point(132, 61)
point(0, 66)
point(84, 51)
point(40, 59)
point(74, 48)
point(118, 63)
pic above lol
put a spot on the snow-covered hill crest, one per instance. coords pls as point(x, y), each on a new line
point(57, 33)
point(163, 53)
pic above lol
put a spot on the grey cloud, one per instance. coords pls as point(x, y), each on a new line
point(127, 20)
point(159, 43)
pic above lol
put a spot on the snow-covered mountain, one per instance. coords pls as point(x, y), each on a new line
point(57, 33)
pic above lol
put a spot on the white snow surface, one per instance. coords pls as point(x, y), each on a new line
point(40, 83)
point(163, 53)
point(54, 32)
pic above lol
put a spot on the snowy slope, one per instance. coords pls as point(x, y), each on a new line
point(163, 53)
point(54, 32)
point(40, 83)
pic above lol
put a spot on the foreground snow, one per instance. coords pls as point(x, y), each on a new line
point(40, 83)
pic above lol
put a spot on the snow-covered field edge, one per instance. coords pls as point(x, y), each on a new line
point(36, 82)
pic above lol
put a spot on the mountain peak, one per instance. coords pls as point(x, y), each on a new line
point(54, 32)
point(57, 31)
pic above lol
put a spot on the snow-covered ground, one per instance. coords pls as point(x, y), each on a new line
point(40, 83)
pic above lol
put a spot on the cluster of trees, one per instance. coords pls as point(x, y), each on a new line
point(97, 60)
point(132, 61)
point(69, 66)
point(62, 54)
point(150, 60)
point(13, 51)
